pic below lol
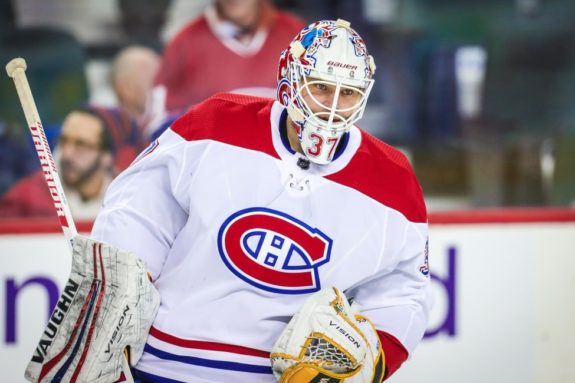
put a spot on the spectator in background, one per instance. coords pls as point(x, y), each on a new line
point(133, 71)
point(93, 146)
point(233, 47)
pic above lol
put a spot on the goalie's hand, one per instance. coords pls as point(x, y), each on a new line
point(327, 342)
point(107, 306)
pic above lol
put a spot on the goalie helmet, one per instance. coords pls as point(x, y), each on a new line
point(324, 80)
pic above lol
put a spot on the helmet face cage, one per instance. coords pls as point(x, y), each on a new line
point(332, 114)
point(326, 54)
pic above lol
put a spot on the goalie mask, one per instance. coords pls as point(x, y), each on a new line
point(324, 80)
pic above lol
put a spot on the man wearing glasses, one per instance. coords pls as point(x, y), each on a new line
point(85, 157)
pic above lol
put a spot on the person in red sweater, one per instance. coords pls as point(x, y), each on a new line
point(93, 146)
point(232, 47)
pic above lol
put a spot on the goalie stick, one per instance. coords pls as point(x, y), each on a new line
point(16, 69)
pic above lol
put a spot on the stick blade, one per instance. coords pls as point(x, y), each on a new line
point(14, 64)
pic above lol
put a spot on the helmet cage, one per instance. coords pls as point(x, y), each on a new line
point(330, 118)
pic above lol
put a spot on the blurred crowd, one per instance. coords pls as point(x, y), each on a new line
point(477, 93)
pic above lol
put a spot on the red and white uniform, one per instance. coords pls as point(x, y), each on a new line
point(236, 235)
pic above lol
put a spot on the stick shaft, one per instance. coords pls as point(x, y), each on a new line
point(16, 69)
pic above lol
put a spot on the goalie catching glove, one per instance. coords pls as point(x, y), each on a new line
point(107, 306)
point(327, 342)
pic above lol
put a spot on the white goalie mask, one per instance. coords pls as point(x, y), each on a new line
point(324, 79)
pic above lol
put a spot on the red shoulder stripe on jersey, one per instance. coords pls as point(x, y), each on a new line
point(234, 119)
point(384, 174)
point(377, 170)
point(203, 345)
point(394, 352)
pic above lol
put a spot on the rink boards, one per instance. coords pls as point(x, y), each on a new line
point(504, 287)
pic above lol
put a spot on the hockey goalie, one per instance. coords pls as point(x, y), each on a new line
point(259, 221)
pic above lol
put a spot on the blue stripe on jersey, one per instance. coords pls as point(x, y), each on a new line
point(144, 377)
point(219, 364)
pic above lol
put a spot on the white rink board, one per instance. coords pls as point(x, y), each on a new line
point(512, 310)
point(22, 258)
point(515, 306)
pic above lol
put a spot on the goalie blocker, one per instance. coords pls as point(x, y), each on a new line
point(106, 309)
point(327, 341)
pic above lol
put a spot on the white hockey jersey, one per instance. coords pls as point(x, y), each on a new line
point(236, 235)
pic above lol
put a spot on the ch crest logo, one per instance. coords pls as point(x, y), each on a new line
point(273, 251)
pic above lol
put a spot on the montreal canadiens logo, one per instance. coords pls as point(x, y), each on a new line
point(273, 251)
